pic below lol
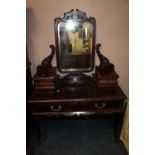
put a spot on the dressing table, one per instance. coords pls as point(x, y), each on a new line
point(76, 86)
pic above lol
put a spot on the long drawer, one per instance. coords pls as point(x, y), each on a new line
point(114, 105)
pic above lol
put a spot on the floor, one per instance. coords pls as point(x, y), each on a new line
point(78, 137)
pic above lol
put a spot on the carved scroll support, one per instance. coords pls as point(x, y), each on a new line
point(105, 66)
point(46, 68)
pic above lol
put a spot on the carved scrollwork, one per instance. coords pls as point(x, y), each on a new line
point(75, 14)
point(46, 68)
point(105, 65)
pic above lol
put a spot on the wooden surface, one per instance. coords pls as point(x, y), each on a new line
point(80, 101)
point(72, 101)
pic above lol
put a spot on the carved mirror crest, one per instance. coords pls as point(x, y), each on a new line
point(75, 42)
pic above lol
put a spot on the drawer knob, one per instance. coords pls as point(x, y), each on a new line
point(99, 106)
point(58, 108)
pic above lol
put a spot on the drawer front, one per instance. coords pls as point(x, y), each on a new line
point(77, 106)
point(51, 107)
point(101, 105)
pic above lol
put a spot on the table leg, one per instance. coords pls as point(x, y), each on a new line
point(118, 126)
point(36, 126)
point(119, 118)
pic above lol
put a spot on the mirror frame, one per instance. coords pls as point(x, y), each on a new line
point(75, 15)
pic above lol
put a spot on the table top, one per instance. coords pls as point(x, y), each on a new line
point(70, 94)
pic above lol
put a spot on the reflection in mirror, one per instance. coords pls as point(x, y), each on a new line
point(75, 44)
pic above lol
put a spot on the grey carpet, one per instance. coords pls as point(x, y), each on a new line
point(78, 137)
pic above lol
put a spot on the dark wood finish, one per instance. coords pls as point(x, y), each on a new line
point(43, 82)
point(80, 101)
point(46, 68)
point(75, 80)
point(107, 79)
point(105, 65)
point(119, 122)
point(44, 78)
point(76, 93)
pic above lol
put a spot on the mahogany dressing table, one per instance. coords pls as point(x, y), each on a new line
point(75, 86)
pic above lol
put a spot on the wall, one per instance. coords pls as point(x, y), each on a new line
point(112, 29)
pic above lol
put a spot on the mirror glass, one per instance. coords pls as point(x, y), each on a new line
point(75, 39)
